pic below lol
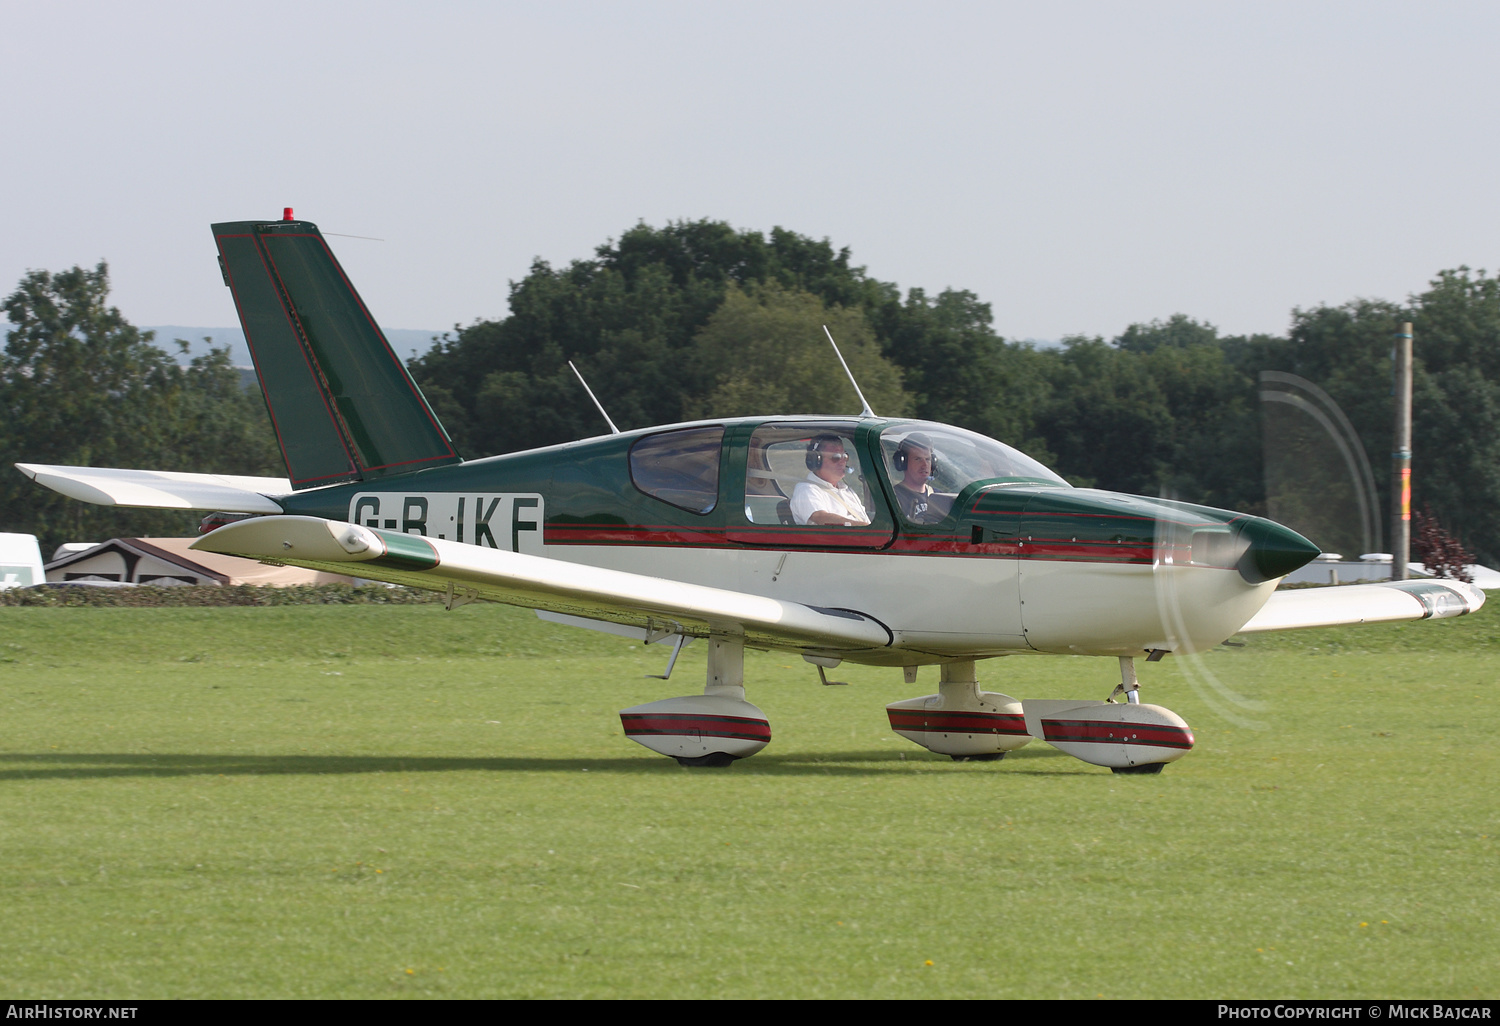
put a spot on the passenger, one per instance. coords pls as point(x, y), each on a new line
point(916, 461)
point(823, 498)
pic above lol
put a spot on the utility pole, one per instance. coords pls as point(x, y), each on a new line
point(1401, 460)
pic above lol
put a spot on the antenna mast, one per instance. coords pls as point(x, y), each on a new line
point(612, 429)
point(865, 403)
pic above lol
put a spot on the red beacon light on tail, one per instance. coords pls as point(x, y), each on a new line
point(286, 214)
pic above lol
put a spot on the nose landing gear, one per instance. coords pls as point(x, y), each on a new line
point(1128, 737)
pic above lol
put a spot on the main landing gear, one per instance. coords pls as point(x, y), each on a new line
point(711, 729)
point(961, 721)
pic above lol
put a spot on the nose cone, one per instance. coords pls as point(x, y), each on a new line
point(1274, 551)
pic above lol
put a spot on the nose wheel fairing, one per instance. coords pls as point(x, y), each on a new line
point(1120, 736)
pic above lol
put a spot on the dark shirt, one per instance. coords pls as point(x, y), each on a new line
point(923, 507)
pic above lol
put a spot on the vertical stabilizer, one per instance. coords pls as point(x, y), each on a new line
point(343, 405)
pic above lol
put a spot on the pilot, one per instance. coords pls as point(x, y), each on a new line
point(823, 498)
point(915, 461)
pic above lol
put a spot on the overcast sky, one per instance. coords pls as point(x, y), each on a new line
point(1080, 166)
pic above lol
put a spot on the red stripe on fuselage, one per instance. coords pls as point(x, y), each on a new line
point(1089, 551)
point(621, 534)
point(912, 545)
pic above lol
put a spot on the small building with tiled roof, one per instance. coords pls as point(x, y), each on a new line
point(169, 561)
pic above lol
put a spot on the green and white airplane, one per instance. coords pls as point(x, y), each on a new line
point(883, 542)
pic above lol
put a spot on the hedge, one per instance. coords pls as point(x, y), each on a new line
point(216, 595)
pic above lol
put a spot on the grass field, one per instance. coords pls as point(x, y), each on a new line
point(349, 801)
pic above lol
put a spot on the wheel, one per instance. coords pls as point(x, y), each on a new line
point(1150, 767)
point(985, 757)
point(711, 759)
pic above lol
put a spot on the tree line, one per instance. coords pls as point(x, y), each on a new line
point(699, 320)
point(81, 386)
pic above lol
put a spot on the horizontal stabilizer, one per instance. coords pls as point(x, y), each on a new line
point(162, 489)
point(1365, 603)
point(536, 582)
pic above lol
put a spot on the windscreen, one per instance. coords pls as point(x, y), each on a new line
point(929, 464)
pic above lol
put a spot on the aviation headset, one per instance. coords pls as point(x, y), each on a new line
point(914, 441)
point(815, 450)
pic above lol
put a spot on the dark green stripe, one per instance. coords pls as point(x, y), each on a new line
point(405, 552)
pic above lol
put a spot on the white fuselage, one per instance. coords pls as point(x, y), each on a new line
point(938, 604)
point(942, 605)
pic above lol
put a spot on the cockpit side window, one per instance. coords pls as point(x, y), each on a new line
point(680, 467)
point(783, 485)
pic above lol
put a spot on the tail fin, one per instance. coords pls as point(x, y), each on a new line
point(343, 405)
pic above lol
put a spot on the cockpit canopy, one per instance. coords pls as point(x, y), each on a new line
point(960, 457)
point(829, 473)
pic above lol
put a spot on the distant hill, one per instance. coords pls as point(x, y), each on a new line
point(403, 341)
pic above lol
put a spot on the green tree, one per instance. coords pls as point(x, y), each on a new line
point(80, 386)
point(1456, 406)
point(772, 358)
point(1177, 332)
point(210, 422)
point(1457, 322)
point(1107, 418)
point(1168, 407)
point(1160, 410)
point(1347, 350)
point(630, 318)
point(960, 371)
point(1214, 447)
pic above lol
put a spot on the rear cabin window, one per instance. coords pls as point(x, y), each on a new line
point(680, 467)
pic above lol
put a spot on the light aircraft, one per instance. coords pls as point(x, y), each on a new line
point(711, 530)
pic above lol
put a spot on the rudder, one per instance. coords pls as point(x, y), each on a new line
point(343, 405)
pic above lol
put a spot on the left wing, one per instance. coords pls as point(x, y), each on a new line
point(470, 572)
point(1365, 603)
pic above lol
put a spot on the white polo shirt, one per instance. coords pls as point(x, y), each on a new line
point(814, 494)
